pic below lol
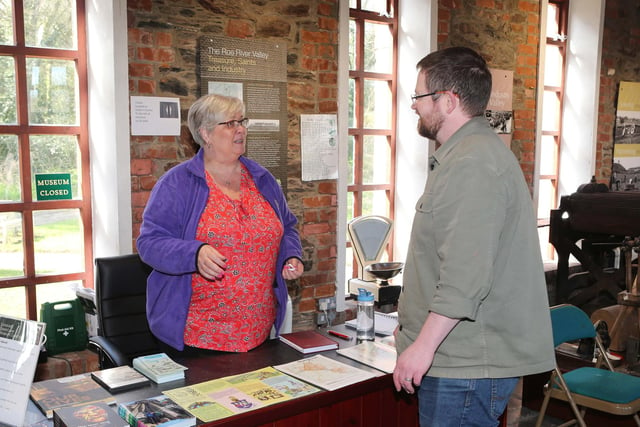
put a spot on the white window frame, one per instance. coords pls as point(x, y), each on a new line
point(412, 149)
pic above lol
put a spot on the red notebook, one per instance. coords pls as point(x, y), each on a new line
point(308, 341)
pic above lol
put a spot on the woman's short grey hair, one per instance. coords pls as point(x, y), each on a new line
point(209, 110)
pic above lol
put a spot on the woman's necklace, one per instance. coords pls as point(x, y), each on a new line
point(226, 180)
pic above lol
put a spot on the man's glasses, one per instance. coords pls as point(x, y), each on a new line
point(233, 124)
point(415, 97)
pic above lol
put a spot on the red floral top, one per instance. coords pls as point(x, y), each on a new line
point(236, 313)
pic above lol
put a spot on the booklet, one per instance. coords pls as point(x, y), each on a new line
point(324, 372)
point(236, 394)
point(371, 353)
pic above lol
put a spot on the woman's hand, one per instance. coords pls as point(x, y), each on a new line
point(292, 269)
point(211, 263)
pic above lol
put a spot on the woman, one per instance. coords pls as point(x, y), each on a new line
point(220, 238)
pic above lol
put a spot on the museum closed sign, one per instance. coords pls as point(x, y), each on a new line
point(53, 186)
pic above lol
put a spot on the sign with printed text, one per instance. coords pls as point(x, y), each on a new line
point(53, 186)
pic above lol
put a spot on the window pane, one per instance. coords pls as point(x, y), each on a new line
point(350, 201)
point(352, 103)
point(58, 241)
point(350, 159)
point(546, 197)
point(377, 104)
point(376, 165)
point(55, 154)
point(11, 246)
point(8, 115)
point(379, 6)
point(548, 153)
point(348, 270)
point(553, 66)
point(6, 23)
point(375, 203)
point(13, 302)
point(378, 48)
point(551, 111)
point(352, 44)
point(50, 23)
point(53, 91)
point(9, 169)
point(54, 292)
point(552, 20)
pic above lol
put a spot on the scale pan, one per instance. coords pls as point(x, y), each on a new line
point(384, 270)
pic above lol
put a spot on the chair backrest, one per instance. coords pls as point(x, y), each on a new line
point(121, 286)
point(569, 323)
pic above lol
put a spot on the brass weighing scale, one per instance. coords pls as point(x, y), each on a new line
point(369, 236)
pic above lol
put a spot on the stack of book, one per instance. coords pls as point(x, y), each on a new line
point(159, 367)
point(68, 391)
point(120, 378)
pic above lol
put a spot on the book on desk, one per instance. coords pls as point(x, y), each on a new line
point(91, 415)
point(120, 378)
point(308, 341)
point(75, 390)
point(155, 411)
point(159, 367)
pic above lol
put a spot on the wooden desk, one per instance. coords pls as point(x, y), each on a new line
point(370, 403)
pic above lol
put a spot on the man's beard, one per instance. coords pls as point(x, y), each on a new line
point(431, 129)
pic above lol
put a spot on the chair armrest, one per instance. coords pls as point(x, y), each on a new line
point(107, 351)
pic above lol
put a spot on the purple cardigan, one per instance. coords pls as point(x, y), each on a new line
point(167, 242)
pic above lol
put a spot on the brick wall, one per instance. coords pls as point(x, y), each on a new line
point(163, 38)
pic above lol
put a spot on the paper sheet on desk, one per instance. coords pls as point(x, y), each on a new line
point(385, 323)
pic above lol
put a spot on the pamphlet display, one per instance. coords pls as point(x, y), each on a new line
point(20, 342)
point(224, 397)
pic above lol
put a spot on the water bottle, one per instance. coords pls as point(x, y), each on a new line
point(365, 327)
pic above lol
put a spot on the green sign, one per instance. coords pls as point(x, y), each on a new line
point(53, 186)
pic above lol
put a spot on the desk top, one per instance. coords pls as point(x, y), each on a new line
point(270, 353)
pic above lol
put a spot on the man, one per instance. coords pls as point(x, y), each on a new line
point(473, 314)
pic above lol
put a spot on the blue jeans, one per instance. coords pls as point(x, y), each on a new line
point(450, 402)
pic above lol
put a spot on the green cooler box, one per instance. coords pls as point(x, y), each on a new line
point(66, 326)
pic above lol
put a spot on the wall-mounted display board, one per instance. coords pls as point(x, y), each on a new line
point(256, 72)
point(625, 173)
point(499, 111)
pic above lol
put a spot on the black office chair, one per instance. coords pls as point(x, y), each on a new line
point(123, 330)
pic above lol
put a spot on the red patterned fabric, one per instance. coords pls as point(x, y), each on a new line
point(236, 313)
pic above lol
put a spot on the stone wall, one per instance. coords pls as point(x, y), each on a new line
point(163, 38)
point(506, 33)
point(620, 62)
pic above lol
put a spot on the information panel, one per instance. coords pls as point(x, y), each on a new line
point(256, 72)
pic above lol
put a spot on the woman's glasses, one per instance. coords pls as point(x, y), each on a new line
point(233, 124)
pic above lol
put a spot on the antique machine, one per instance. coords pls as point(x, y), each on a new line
point(588, 225)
